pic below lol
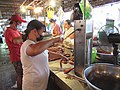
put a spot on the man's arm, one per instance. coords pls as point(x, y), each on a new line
point(17, 40)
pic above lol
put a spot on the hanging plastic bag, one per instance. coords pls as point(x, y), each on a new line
point(88, 9)
point(50, 12)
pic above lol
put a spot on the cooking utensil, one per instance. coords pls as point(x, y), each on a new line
point(71, 76)
point(68, 70)
point(103, 56)
point(102, 76)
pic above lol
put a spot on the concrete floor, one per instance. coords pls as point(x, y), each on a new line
point(7, 72)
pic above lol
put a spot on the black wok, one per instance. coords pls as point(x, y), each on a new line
point(102, 76)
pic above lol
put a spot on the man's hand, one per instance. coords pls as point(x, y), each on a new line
point(64, 58)
point(17, 40)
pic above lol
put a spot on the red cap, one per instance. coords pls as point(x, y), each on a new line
point(16, 17)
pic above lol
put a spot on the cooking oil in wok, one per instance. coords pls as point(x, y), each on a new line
point(105, 81)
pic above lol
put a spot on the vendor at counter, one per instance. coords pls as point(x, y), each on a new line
point(68, 36)
point(56, 29)
point(34, 57)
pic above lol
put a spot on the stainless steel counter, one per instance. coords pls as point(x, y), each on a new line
point(64, 81)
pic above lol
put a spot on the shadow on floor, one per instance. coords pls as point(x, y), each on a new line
point(7, 71)
point(7, 76)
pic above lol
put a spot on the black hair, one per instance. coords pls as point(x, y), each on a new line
point(34, 24)
point(77, 12)
point(69, 22)
point(11, 22)
point(52, 20)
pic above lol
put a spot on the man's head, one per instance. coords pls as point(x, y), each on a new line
point(16, 19)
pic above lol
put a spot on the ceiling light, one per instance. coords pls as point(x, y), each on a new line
point(38, 9)
point(52, 3)
point(23, 9)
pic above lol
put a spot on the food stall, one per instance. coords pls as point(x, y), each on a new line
point(87, 73)
point(76, 73)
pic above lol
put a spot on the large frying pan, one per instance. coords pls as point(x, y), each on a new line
point(102, 76)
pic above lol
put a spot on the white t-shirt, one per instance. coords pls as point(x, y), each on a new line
point(35, 69)
point(68, 42)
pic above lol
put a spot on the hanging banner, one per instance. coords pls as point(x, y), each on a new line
point(88, 9)
point(60, 14)
point(50, 12)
